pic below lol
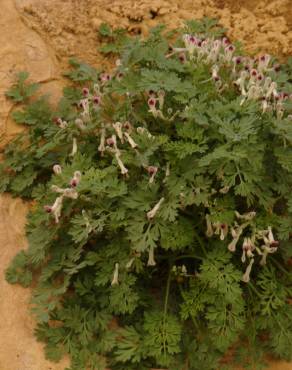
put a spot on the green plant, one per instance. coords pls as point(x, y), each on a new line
point(161, 193)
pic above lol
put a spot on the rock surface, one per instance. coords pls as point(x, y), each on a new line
point(39, 36)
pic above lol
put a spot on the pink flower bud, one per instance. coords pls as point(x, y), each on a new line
point(182, 57)
point(110, 141)
point(85, 91)
point(48, 209)
point(277, 68)
point(152, 170)
point(151, 102)
point(96, 99)
point(253, 73)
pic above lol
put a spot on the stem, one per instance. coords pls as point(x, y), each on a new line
point(166, 304)
point(254, 289)
point(280, 267)
point(189, 256)
point(199, 239)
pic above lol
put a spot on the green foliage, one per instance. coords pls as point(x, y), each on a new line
point(22, 90)
point(161, 193)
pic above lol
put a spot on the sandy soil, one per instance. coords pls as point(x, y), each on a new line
point(39, 36)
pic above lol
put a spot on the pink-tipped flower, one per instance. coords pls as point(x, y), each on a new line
point(231, 48)
point(277, 68)
point(151, 170)
point(152, 102)
point(238, 60)
point(104, 77)
point(75, 179)
point(225, 41)
point(96, 99)
point(253, 73)
point(182, 57)
point(127, 126)
point(260, 77)
point(120, 75)
point(85, 91)
point(48, 209)
point(110, 141)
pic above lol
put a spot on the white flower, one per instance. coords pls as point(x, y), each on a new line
point(115, 280)
point(236, 235)
point(123, 169)
point(129, 264)
point(246, 277)
point(209, 231)
point(130, 140)
point(79, 123)
point(151, 261)
point(118, 128)
point(56, 208)
point(57, 169)
point(151, 214)
point(101, 147)
point(74, 147)
point(75, 179)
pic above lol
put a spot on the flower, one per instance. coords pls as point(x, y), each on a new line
point(246, 276)
point(118, 128)
point(57, 169)
point(56, 208)
point(152, 170)
point(130, 140)
point(115, 280)
point(151, 214)
point(236, 235)
point(101, 147)
point(151, 261)
point(96, 99)
point(123, 169)
point(85, 91)
point(79, 123)
point(209, 231)
point(74, 147)
point(76, 179)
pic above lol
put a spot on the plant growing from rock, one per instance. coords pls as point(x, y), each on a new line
point(162, 211)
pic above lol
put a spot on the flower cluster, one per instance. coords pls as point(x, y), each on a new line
point(260, 241)
point(69, 192)
point(252, 76)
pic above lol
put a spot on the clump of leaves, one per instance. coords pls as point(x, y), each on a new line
point(160, 231)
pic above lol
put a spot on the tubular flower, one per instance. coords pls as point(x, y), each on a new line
point(115, 280)
point(75, 179)
point(118, 128)
point(151, 214)
point(151, 261)
point(57, 169)
point(74, 147)
point(236, 235)
point(130, 140)
point(246, 276)
point(152, 170)
point(101, 147)
point(209, 231)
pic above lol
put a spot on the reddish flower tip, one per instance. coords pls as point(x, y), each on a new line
point(263, 58)
point(85, 91)
point(151, 102)
point(231, 48)
point(96, 99)
point(110, 141)
point(260, 77)
point(277, 68)
point(238, 60)
point(73, 183)
point(48, 209)
point(253, 72)
point(151, 170)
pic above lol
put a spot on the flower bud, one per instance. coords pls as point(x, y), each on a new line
point(57, 169)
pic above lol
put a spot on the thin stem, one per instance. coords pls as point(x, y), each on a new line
point(194, 256)
point(254, 289)
point(166, 304)
point(199, 239)
point(280, 267)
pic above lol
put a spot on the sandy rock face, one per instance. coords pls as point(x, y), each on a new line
point(39, 36)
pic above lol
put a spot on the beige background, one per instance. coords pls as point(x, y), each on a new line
point(39, 36)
